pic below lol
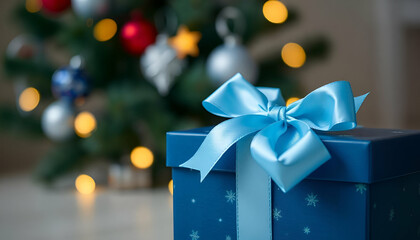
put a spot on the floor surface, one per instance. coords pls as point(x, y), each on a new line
point(30, 211)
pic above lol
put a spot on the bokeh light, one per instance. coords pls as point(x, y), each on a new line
point(33, 6)
point(85, 184)
point(293, 55)
point(291, 100)
point(275, 11)
point(105, 29)
point(171, 187)
point(29, 99)
point(141, 157)
point(84, 124)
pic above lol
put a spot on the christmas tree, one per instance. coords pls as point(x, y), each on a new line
point(150, 64)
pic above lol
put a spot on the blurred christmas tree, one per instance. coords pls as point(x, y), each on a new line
point(150, 62)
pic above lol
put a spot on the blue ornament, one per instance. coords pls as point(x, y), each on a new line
point(69, 83)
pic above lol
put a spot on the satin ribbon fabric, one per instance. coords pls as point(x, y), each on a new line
point(284, 143)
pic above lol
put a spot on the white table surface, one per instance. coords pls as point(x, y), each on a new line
point(29, 211)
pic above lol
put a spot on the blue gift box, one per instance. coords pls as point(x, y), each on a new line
point(369, 189)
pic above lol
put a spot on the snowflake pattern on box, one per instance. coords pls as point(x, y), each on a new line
point(391, 214)
point(306, 230)
point(277, 214)
point(228, 237)
point(230, 196)
point(194, 235)
point(360, 187)
point(312, 200)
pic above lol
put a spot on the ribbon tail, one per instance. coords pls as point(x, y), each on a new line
point(359, 100)
point(288, 156)
point(221, 138)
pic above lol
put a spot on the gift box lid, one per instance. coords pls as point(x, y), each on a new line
point(363, 155)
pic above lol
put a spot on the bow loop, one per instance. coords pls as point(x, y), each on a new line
point(328, 108)
point(236, 97)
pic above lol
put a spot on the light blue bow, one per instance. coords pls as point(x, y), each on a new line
point(284, 145)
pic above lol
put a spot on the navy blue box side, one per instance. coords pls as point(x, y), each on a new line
point(395, 157)
point(395, 209)
point(372, 188)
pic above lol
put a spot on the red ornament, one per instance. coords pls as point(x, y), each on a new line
point(55, 6)
point(137, 35)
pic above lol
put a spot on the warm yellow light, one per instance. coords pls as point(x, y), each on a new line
point(105, 29)
point(84, 124)
point(275, 11)
point(185, 42)
point(29, 99)
point(85, 184)
point(291, 100)
point(141, 157)
point(171, 187)
point(293, 55)
point(33, 6)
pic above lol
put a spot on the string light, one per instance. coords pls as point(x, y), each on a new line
point(171, 187)
point(29, 99)
point(105, 29)
point(141, 157)
point(291, 100)
point(84, 124)
point(293, 55)
point(275, 11)
point(33, 6)
point(85, 184)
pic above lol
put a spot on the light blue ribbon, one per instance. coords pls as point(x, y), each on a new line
point(283, 143)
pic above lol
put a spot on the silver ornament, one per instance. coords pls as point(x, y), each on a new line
point(231, 57)
point(57, 121)
point(160, 64)
point(227, 60)
point(24, 47)
point(92, 8)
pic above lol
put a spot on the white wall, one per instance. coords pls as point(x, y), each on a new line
point(348, 26)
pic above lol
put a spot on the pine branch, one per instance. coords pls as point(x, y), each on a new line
point(12, 121)
point(36, 23)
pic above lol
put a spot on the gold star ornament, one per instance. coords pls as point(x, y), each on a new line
point(185, 42)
